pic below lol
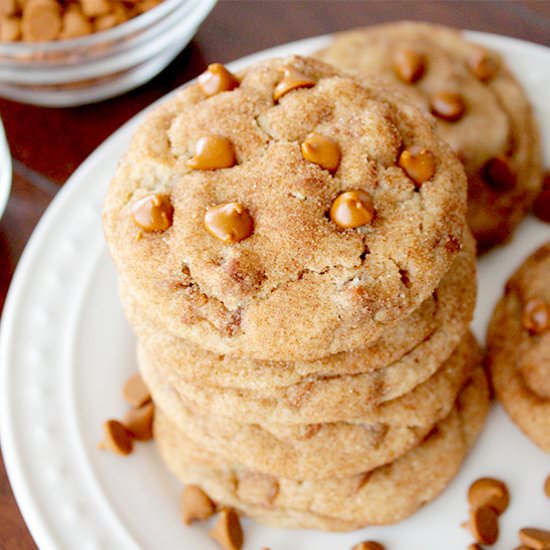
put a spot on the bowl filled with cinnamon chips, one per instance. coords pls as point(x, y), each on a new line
point(72, 52)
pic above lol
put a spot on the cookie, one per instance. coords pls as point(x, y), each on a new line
point(480, 109)
point(331, 399)
point(418, 345)
point(384, 495)
point(334, 399)
point(315, 451)
point(518, 347)
point(299, 214)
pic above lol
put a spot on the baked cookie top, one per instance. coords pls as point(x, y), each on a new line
point(518, 342)
point(480, 109)
point(294, 214)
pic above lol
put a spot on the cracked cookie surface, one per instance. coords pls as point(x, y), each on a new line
point(298, 286)
point(518, 347)
point(480, 109)
point(384, 495)
point(414, 348)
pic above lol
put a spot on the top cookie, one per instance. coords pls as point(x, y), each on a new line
point(480, 108)
point(294, 214)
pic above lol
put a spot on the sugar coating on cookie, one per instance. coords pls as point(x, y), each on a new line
point(518, 341)
point(253, 261)
point(479, 108)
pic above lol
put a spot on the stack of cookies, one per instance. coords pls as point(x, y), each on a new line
point(293, 256)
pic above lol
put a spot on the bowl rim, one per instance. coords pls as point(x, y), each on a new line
point(9, 49)
point(6, 169)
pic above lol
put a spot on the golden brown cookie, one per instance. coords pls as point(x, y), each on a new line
point(418, 345)
point(266, 257)
point(480, 109)
point(321, 450)
point(384, 495)
point(518, 342)
point(332, 399)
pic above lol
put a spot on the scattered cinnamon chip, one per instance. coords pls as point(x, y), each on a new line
point(488, 491)
point(475, 546)
point(537, 539)
point(228, 532)
point(139, 422)
point(547, 487)
point(117, 438)
point(369, 545)
point(195, 505)
point(136, 392)
point(484, 524)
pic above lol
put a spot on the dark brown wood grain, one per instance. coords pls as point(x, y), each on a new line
point(49, 144)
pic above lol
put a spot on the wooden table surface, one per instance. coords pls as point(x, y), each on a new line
point(49, 144)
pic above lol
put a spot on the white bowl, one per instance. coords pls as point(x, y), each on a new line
point(101, 65)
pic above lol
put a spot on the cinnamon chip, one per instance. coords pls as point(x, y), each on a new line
point(10, 28)
point(487, 491)
point(292, 79)
point(117, 438)
point(536, 539)
point(369, 545)
point(135, 391)
point(483, 66)
point(408, 65)
point(419, 164)
point(212, 152)
point(139, 422)
point(322, 150)
point(547, 487)
point(95, 8)
point(228, 532)
point(217, 79)
point(41, 21)
point(352, 209)
point(484, 525)
point(195, 505)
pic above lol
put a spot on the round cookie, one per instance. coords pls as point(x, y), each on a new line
point(316, 451)
point(518, 347)
point(480, 108)
point(385, 495)
point(346, 398)
point(327, 257)
point(419, 345)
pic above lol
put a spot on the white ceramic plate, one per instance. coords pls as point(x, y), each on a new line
point(5, 170)
point(66, 350)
